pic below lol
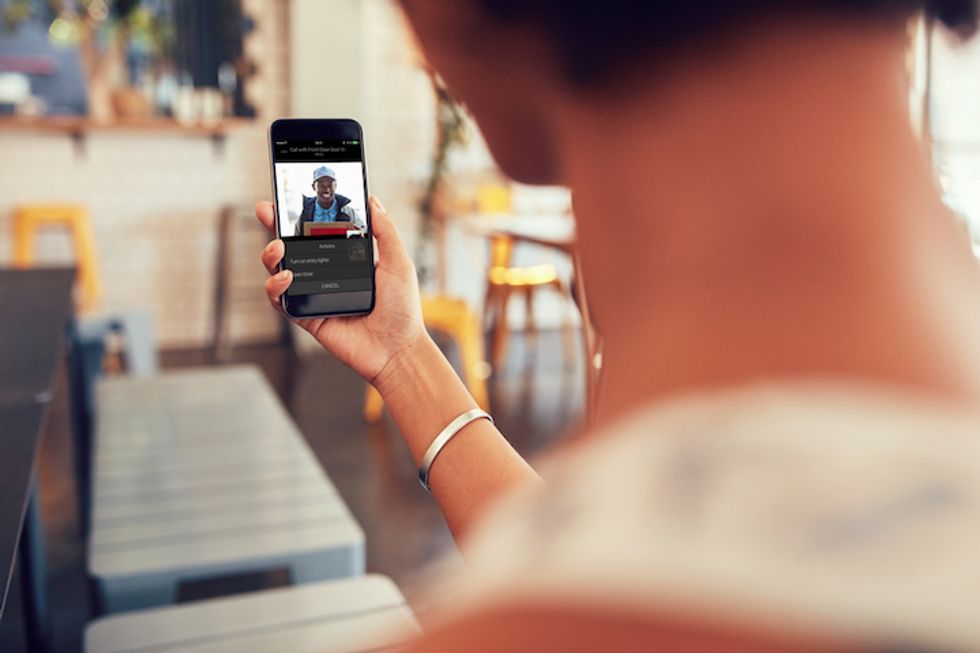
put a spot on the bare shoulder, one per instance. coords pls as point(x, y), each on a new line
point(542, 628)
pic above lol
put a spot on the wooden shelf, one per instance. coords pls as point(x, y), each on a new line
point(78, 125)
point(78, 128)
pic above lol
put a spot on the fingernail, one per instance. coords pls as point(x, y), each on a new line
point(378, 203)
point(282, 276)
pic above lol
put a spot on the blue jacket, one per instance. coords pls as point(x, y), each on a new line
point(345, 213)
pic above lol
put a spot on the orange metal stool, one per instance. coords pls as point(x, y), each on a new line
point(31, 218)
point(454, 318)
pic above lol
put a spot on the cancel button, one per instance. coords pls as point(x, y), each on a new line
point(336, 285)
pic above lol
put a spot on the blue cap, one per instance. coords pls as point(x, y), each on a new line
point(324, 171)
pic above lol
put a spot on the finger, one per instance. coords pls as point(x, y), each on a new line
point(276, 285)
point(312, 325)
point(387, 235)
point(272, 254)
point(382, 224)
point(276, 304)
point(266, 215)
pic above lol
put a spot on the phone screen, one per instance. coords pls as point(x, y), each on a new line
point(323, 217)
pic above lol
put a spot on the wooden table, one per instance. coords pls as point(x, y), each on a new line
point(37, 305)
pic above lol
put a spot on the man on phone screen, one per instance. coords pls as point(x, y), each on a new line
point(327, 205)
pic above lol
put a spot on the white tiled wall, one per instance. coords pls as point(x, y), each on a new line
point(154, 200)
point(399, 114)
point(374, 76)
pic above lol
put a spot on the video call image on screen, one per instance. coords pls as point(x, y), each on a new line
point(322, 216)
point(321, 199)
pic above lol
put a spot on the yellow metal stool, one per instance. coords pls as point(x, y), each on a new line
point(30, 218)
point(454, 318)
point(503, 281)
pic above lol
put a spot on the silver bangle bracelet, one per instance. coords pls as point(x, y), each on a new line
point(443, 439)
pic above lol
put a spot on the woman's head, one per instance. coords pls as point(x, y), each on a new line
point(510, 61)
point(593, 41)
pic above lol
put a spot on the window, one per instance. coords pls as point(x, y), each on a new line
point(953, 110)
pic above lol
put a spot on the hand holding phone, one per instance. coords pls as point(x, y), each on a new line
point(365, 343)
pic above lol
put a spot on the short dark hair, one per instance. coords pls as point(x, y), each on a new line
point(595, 37)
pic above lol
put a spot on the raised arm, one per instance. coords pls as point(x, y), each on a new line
point(391, 349)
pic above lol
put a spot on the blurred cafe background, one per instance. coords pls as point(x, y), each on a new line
point(168, 444)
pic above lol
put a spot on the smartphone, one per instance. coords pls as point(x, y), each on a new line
point(319, 179)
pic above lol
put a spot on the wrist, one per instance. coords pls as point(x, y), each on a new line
point(404, 362)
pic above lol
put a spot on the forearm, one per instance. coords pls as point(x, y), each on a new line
point(423, 394)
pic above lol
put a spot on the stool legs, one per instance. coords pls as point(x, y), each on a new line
point(24, 254)
point(469, 340)
point(498, 327)
point(495, 315)
point(529, 327)
point(87, 263)
point(374, 405)
point(567, 334)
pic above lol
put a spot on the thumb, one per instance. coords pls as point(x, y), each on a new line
point(381, 223)
point(384, 230)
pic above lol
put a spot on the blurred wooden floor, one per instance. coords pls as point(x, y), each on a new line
point(535, 400)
